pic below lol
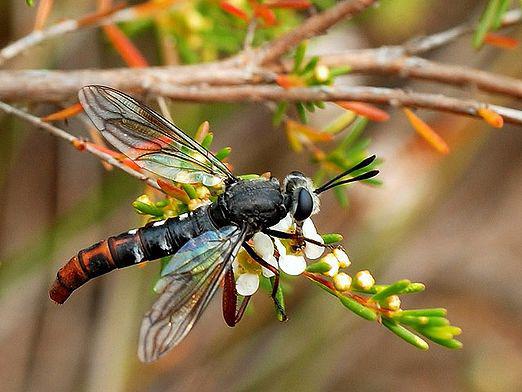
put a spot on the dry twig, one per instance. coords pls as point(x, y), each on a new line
point(380, 95)
point(37, 122)
point(312, 27)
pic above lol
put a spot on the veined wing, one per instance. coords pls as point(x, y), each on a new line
point(154, 143)
point(189, 281)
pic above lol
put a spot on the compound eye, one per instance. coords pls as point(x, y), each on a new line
point(305, 205)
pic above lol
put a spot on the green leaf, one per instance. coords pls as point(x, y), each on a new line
point(433, 312)
point(223, 153)
point(413, 288)
point(358, 309)
point(162, 203)
point(392, 289)
point(310, 66)
point(207, 141)
point(147, 209)
point(502, 9)
point(30, 3)
point(299, 56)
point(331, 238)
point(422, 321)
point(405, 334)
point(449, 343)
point(319, 267)
point(309, 106)
point(301, 111)
point(338, 71)
point(441, 333)
point(487, 20)
point(191, 191)
point(340, 123)
point(356, 131)
point(279, 113)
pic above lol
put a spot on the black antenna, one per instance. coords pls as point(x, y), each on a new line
point(364, 163)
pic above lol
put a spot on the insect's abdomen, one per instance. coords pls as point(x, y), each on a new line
point(151, 242)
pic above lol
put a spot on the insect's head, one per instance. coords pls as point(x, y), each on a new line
point(302, 200)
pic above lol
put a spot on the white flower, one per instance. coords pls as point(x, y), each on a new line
point(312, 251)
point(284, 224)
point(332, 261)
point(264, 247)
point(247, 284)
point(341, 255)
point(247, 271)
point(295, 264)
point(289, 263)
point(342, 281)
point(364, 280)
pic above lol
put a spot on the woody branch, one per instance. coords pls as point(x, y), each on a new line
point(232, 81)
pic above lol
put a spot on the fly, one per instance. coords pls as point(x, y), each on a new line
point(202, 243)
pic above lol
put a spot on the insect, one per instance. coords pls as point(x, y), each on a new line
point(203, 242)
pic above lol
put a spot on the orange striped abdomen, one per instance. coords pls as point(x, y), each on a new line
point(98, 259)
point(80, 269)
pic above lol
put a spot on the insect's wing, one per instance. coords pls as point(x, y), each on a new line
point(154, 143)
point(189, 281)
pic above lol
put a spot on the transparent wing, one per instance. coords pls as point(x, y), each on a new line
point(189, 281)
point(150, 140)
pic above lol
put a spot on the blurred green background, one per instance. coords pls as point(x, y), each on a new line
point(454, 223)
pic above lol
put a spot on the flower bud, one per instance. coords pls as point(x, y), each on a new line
point(342, 281)
point(331, 260)
point(321, 73)
point(202, 192)
point(194, 204)
point(364, 280)
point(342, 257)
point(393, 302)
point(144, 199)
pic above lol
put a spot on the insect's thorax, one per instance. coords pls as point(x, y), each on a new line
point(255, 204)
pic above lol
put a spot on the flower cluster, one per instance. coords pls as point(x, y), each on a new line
point(358, 292)
point(279, 253)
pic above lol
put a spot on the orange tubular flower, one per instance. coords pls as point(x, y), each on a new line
point(365, 109)
point(491, 117)
point(426, 132)
point(70, 111)
point(233, 10)
point(501, 41)
point(289, 81)
point(125, 48)
point(289, 4)
point(266, 14)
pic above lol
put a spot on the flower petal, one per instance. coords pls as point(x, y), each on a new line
point(309, 229)
point(273, 262)
point(263, 245)
point(313, 251)
point(292, 264)
point(235, 266)
point(284, 224)
point(247, 284)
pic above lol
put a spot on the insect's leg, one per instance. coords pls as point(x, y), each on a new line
point(297, 237)
point(274, 270)
point(242, 308)
point(229, 298)
point(231, 314)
